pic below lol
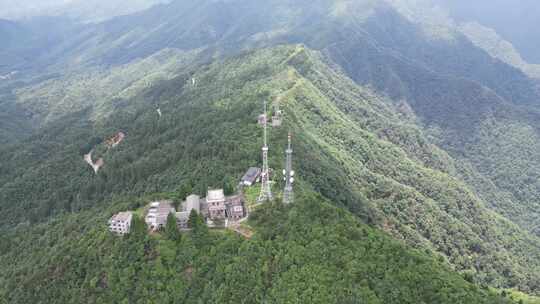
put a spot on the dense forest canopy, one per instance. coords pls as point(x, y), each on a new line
point(292, 258)
point(416, 148)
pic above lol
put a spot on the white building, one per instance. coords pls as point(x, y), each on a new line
point(121, 223)
point(192, 202)
point(276, 121)
point(182, 219)
point(215, 200)
point(156, 218)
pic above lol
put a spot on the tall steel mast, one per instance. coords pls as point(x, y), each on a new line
point(266, 192)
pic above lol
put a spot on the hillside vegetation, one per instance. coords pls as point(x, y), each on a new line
point(291, 258)
point(350, 146)
point(402, 118)
point(417, 55)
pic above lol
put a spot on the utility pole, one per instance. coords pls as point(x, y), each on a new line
point(266, 192)
point(288, 194)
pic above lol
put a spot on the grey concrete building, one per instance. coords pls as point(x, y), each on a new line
point(120, 223)
point(235, 207)
point(156, 218)
point(215, 199)
point(251, 177)
point(192, 202)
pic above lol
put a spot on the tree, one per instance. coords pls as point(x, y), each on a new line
point(199, 230)
point(195, 220)
point(228, 186)
point(171, 230)
point(468, 276)
point(184, 190)
point(138, 228)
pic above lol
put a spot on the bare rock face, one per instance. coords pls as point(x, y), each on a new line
point(110, 143)
point(115, 140)
point(97, 165)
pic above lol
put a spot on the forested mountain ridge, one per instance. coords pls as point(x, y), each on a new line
point(291, 258)
point(453, 88)
point(350, 144)
point(409, 126)
point(497, 47)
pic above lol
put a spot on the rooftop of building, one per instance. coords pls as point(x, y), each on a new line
point(122, 216)
point(215, 195)
point(192, 202)
point(235, 200)
point(193, 197)
point(251, 174)
point(163, 207)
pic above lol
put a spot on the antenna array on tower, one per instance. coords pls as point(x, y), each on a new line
point(288, 194)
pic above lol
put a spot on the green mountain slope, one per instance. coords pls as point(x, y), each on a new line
point(442, 79)
point(15, 121)
point(496, 46)
point(372, 107)
point(308, 253)
point(429, 195)
point(52, 99)
point(30, 46)
point(351, 146)
point(454, 91)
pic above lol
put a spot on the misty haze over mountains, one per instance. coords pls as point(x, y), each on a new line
point(416, 137)
point(516, 22)
point(80, 10)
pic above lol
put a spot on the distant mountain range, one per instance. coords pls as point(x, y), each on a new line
point(79, 10)
point(515, 23)
point(411, 117)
